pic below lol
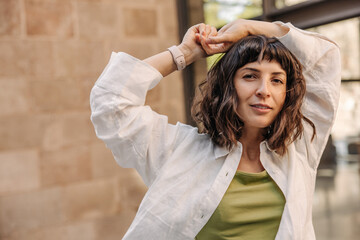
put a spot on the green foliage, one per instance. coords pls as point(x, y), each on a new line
point(214, 9)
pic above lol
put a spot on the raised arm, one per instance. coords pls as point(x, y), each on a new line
point(234, 31)
point(137, 136)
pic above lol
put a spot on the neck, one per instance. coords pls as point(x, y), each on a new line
point(250, 140)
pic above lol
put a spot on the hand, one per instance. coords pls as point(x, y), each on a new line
point(226, 37)
point(238, 29)
point(191, 45)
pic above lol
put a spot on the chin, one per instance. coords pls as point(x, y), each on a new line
point(260, 125)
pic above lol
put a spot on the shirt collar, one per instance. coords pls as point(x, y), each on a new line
point(265, 142)
point(220, 151)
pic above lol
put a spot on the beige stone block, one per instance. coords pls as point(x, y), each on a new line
point(49, 18)
point(66, 130)
point(138, 2)
point(27, 58)
point(154, 95)
point(28, 211)
point(114, 227)
point(78, 129)
point(53, 138)
point(168, 29)
point(131, 189)
point(50, 132)
point(22, 131)
point(86, 84)
point(14, 97)
point(103, 162)
point(98, 19)
point(39, 59)
point(138, 48)
point(91, 200)
point(74, 59)
point(52, 96)
point(160, 2)
point(71, 231)
point(11, 61)
point(9, 17)
point(140, 22)
point(65, 166)
point(19, 171)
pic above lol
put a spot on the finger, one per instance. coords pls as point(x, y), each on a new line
point(207, 30)
point(218, 39)
point(224, 28)
point(197, 38)
point(210, 50)
point(201, 28)
point(218, 48)
point(213, 31)
point(197, 27)
point(202, 42)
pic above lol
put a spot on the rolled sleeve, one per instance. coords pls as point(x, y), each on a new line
point(137, 136)
point(320, 59)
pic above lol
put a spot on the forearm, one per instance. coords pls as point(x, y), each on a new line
point(266, 28)
point(238, 29)
point(164, 62)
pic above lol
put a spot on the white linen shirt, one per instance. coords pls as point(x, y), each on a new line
point(186, 174)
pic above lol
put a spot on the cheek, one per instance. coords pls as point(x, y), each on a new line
point(280, 98)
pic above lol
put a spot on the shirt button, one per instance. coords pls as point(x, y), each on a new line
point(202, 216)
point(227, 173)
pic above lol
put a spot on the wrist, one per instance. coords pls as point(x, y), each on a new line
point(266, 28)
point(178, 57)
point(188, 54)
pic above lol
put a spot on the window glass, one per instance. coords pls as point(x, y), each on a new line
point(285, 3)
point(220, 12)
point(347, 35)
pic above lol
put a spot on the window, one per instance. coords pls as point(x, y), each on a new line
point(286, 3)
point(219, 12)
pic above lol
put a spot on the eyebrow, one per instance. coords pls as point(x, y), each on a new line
point(256, 70)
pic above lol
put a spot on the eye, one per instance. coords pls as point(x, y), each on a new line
point(249, 76)
point(277, 81)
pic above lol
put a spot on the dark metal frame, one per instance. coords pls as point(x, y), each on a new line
point(188, 73)
point(311, 13)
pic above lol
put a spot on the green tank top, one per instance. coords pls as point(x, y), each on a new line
point(250, 209)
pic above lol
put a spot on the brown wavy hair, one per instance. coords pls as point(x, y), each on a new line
point(215, 108)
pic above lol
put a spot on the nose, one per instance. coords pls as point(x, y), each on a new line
point(263, 89)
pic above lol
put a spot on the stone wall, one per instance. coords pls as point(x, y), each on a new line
point(57, 180)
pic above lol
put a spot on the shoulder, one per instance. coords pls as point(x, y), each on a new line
point(191, 134)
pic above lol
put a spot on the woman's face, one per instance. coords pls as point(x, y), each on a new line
point(261, 91)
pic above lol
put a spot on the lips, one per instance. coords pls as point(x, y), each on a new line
point(261, 106)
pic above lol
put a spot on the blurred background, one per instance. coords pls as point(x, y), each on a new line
point(58, 181)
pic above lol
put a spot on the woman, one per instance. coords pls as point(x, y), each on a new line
point(251, 174)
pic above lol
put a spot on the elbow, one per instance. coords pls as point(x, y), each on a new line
point(94, 98)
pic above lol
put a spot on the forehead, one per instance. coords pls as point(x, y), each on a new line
point(264, 65)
